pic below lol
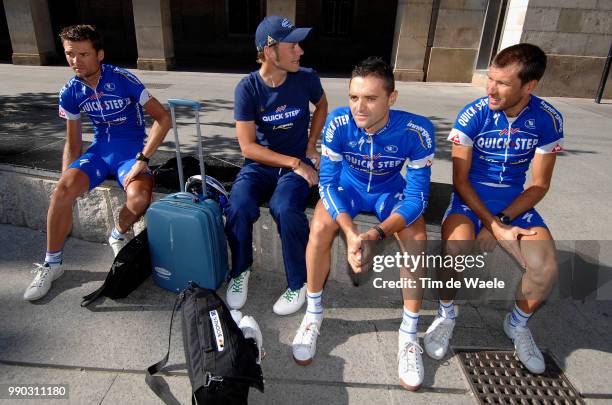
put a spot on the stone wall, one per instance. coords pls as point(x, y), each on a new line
point(577, 36)
point(456, 40)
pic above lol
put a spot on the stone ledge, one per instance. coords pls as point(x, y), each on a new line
point(24, 201)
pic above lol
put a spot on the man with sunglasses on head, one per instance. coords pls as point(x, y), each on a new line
point(272, 115)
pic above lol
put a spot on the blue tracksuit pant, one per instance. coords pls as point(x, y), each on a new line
point(287, 194)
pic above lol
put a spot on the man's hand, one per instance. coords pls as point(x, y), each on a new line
point(139, 167)
point(308, 173)
point(508, 237)
point(353, 242)
point(314, 156)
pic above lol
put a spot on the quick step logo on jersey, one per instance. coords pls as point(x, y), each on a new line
point(108, 105)
point(217, 329)
point(286, 114)
point(521, 145)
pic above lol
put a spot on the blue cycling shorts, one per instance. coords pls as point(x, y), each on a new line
point(102, 159)
point(495, 199)
point(381, 204)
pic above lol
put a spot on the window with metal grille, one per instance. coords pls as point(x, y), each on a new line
point(243, 16)
point(337, 18)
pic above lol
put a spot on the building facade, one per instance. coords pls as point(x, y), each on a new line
point(424, 40)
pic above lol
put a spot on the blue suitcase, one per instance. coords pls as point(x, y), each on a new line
point(186, 236)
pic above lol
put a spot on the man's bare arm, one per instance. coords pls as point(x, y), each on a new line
point(73, 148)
point(245, 130)
point(542, 168)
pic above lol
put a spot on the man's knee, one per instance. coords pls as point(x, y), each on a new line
point(71, 185)
point(322, 229)
point(282, 210)
point(542, 270)
point(138, 199)
point(243, 209)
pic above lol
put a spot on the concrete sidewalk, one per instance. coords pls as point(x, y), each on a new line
point(102, 351)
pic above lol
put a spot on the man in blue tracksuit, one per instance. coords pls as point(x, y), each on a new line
point(272, 114)
point(495, 140)
point(364, 149)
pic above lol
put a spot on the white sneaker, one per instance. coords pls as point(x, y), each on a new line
point(291, 301)
point(45, 275)
point(237, 290)
point(304, 343)
point(236, 315)
point(525, 347)
point(438, 336)
point(117, 244)
point(410, 365)
point(250, 329)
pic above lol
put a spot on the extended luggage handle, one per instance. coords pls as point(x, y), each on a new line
point(173, 103)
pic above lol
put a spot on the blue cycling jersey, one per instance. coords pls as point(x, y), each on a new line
point(504, 147)
point(372, 163)
point(114, 106)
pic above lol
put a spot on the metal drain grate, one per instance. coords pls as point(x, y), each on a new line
point(498, 377)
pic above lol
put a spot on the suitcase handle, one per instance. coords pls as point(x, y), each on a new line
point(185, 196)
point(172, 103)
point(184, 102)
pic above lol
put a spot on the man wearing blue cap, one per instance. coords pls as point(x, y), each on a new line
point(272, 114)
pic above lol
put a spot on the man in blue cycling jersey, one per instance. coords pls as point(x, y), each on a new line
point(272, 112)
point(115, 101)
point(364, 149)
point(495, 139)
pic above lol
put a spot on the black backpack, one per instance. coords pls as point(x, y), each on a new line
point(130, 268)
point(221, 362)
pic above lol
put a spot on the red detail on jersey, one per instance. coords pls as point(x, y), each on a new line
point(557, 148)
point(455, 139)
point(505, 131)
point(374, 157)
point(281, 108)
point(96, 95)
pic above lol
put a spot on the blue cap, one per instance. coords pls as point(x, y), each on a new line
point(274, 29)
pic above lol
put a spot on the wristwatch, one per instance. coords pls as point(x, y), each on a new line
point(140, 156)
point(381, 233)
point(503, 218)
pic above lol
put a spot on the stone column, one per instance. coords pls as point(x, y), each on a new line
point(456, 40)
point(286, 8)
point(410, 39)
point(30, 29)
point(153, 25)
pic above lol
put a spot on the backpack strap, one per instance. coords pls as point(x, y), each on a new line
point(155, 368)
point(89, 298)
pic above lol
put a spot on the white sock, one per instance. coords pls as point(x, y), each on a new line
point(518, 317)
point(314, 310)
point(447, 309)
point(408, 328)
point(115, 234)
point(54, 257)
